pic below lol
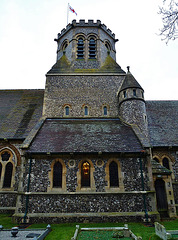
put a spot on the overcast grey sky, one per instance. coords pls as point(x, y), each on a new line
point(28, 50)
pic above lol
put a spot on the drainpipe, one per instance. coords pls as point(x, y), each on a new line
point(143, 189)
point(28, 188)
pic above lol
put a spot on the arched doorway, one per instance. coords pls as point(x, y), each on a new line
point(161, 198)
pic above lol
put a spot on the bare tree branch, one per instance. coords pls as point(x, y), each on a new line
point(169, 15)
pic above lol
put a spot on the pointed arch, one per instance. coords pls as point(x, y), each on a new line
point(57, 176)
point(165, 162)
point(8, 175)
point(85, 178)
point(114, 176)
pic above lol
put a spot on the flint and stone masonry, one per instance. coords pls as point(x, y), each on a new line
point(88, 147)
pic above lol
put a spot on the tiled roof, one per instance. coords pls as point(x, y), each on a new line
point(85, 135)
point(19, 112)
point(157, 168)
point(130, 82)
point(63, 66)
point(163, 122)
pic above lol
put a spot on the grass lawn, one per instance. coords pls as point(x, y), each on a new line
point(66, 231)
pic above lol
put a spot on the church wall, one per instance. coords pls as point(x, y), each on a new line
point(78, 91)
point(134, 112)
point(73, 199)
point(40, 176)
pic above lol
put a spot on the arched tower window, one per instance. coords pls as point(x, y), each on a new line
point(166, 163)
point(57, 175)
point(105, 111)
point(134, 93)
point(67, 110)
point(8, 175)
point(108, 46)
point(80, 48)
point(113, 174)
point(92, 48)
point(86, 111)
point(85, 174)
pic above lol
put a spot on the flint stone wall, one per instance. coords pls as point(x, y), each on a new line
point(77, 91)
point(41, 167)
point(83, 203)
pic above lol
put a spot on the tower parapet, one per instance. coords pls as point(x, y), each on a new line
point(86, 45)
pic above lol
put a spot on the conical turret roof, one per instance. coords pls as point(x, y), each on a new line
point(130, 82)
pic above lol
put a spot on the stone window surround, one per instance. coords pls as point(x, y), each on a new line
point(86, 40)
point(12, 159)
point(64, 45)
point(108, 45)
point(64, 110)
point(120, 175)
point(92, 187)
point(64, 170)
point(108, 108)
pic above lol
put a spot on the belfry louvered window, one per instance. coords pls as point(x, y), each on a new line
point(80, 48)
point(92, 48)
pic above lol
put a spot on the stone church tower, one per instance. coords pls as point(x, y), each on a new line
point(88, 146)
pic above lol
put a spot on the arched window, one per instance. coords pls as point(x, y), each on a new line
point(125, 94)
point(67, 110)
point(80, 48)
point(65, 45)
point(8, 175)
point(108, 46)
point(86, 111)
point(105, 111)
point(134, 93)
point(57, 175)
point(85, 174)
point(113, 174)
point(166, 163)
point(92, 48)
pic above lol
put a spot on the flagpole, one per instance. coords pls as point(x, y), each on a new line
point(67, 13)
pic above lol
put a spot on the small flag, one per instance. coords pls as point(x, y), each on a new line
point(72, 10)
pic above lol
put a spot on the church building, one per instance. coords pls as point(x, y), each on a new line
point(88, 147)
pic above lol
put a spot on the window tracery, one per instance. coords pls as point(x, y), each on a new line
point(7, 168)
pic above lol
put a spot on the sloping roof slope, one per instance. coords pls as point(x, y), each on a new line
point(157, 168)
point(163, 122)
point(85, 135)
point(63, 66)
point(19, 112)
point(130, 82)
